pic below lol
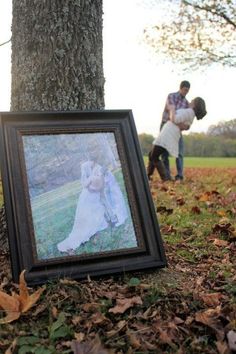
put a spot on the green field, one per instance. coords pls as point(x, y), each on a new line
point(215, 162)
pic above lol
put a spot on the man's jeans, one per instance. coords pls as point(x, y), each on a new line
point(179, 161)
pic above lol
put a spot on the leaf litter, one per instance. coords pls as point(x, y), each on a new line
point(188, 307)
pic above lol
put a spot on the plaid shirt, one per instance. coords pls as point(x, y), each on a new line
point(178, 101)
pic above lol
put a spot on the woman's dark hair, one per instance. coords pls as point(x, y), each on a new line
point(199, 107)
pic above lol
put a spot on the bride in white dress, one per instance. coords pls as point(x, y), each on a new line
point(100, 204)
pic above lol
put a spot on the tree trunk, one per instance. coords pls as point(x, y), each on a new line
point(57, 59)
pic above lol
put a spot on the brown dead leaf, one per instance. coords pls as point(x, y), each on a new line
point(210, 319)
point(119, 327)
point(91, 307)
point(220, 243)
point(17, 304)
point(54, 312)
point(180, 201)
point(165, 338)
point(11, 349)
point(79, 336)
point(222, 228)
point(134, 340)
point(196, 210)
point(124, 304)
point(99, 318)
point(212, 299)
point(11, 306)
point(89, 347)
point(222, 347)
point(162, 209)
point(168, 229)
point(26, 300)
point(76, 320)
point(221, 212)
point(205, 197)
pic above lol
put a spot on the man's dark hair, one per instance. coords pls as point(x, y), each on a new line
point(185, 83)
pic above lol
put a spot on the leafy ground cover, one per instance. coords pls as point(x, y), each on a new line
point(188, 307)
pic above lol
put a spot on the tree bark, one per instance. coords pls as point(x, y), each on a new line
point(57, 61)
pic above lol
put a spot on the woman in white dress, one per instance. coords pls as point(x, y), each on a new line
point(100, 204)
point(168, 139)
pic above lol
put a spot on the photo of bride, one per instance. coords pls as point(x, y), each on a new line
point(100, 204)
point(78, 195)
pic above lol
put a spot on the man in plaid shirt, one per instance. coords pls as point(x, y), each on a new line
point(179, 100)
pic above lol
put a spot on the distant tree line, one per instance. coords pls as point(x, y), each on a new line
point(219, 141)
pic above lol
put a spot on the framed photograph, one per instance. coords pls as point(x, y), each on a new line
point(76, 195)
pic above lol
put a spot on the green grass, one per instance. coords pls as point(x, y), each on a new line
point(214, 162)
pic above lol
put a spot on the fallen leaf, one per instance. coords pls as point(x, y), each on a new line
point(11, 349)
point(17, 304)
point(212, 299)
point(204, 197)
point(162, 209)
point(123, 304)
point(91, 307)
point(165, 338)
point(180, 201)
point(196, 210)
point(168, 229)
point(89, 347)
point(134, 340)
point(221, 212)
point(222, 347)
point(27, 300)
point(220, 243)
point(210, 319)
point(11, 306)
point(79, 336)
point(119, 327)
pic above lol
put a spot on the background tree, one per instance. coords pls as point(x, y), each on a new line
point(145, 141)
point(199, 32)
point(224, 129)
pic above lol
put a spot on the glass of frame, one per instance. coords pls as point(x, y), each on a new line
point(76, 195)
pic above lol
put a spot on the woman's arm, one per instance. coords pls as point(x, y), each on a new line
point(171, 109)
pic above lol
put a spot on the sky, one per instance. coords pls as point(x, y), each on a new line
point(135, 79)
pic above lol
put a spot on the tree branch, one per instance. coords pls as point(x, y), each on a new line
point(208, 9)
point(1, 44)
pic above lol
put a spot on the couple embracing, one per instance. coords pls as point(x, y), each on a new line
point(178, 115)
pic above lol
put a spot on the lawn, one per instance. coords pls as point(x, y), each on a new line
point(188, 307)
point(217, 162)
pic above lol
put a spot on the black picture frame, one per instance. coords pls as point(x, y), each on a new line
point(44, 157)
